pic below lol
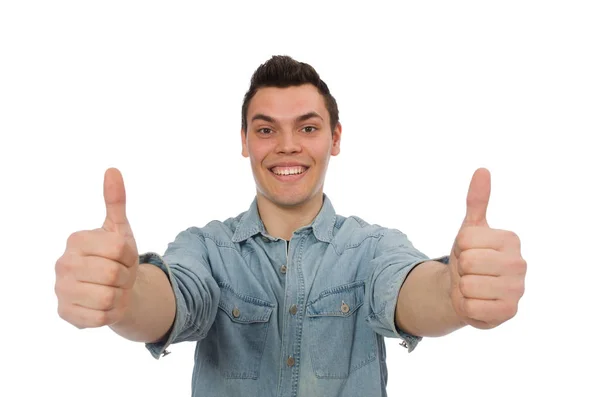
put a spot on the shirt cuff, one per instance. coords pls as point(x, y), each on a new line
point(160, 348)
point(443, 259)
point(385, 321)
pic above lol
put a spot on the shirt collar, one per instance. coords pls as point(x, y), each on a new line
point(251, 224)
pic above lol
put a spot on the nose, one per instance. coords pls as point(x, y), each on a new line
point(288, 142)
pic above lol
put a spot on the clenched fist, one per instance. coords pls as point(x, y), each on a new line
point(96, 274)
point(486, 266)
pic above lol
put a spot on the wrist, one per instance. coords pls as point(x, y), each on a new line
point(453, 319)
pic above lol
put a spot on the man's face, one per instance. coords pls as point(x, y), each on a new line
point(289, 141)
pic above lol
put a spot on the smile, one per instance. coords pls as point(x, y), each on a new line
point(282, 171)
point(289, 174)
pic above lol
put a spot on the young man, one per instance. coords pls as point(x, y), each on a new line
point(288, 298)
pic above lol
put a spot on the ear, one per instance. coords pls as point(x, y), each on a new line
point(337, 137)
point(244, 143)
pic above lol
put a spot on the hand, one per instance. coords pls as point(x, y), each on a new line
point(96, 274)
point(486, 267)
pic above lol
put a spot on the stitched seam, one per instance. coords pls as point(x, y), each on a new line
point(243, 297)
point(338, 289)
point(357, 244)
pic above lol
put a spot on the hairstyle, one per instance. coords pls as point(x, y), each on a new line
point(283, 71)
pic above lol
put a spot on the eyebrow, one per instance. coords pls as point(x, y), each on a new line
point(270, 119)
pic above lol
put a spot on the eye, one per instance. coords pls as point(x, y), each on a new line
point(264, 131)
point(309, 129)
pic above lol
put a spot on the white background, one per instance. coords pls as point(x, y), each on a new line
point(428, 92)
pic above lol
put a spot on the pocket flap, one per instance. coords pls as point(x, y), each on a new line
point(340, 301)
point(243, 308)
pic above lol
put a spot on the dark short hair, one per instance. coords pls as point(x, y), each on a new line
point(283, 71)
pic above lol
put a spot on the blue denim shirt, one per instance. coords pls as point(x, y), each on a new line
point(305, 321)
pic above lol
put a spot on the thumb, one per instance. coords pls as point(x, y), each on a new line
point(478, 198)
point(114, 198)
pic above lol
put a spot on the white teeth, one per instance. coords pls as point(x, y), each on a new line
point(288, 171)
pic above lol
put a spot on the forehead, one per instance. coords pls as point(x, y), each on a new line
point(288, 102)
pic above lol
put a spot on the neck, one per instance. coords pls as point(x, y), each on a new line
point(282, 221)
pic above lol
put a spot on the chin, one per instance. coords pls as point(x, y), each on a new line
point(289, 199)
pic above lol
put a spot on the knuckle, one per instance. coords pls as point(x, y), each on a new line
point(108, 298)
point(63, 312)
point(64, 265)
point(470, 308)
point(512, 238)
point(521, 290)
point(68, 316)
point(511, 290)
point(462, 240)
point(518, 287)
point(99, 319)
point(521, 266)
point(74, 239)
point(516, 238)
point(511, 310)
point(488, 324)
point(61, 266)
point(463, 285)
point(465, 262)
point(517, 265)
point(58, 290)
point(112, 273)
point(61, 289)
point(120, 246)
point(116, 314)
point(117, 248)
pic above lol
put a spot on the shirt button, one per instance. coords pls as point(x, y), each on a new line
point(236, 312)
point(293, 309)
point(283, 269)
point(291, 361)
point(345, 308)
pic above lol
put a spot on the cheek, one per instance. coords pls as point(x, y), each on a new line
point(257, 154)
point(320, 153)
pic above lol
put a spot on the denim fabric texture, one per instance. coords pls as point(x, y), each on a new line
point(303, 321)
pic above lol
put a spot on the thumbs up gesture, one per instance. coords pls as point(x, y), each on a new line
point(96, 274)
point(486, 267)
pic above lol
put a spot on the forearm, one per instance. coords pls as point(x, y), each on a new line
point(152, 309)
point(424, 307)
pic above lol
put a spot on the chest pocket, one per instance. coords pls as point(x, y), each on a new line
point(239, 334)
point(340, 339)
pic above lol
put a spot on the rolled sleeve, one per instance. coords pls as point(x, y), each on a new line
point(394, 259)
point(197, 294)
